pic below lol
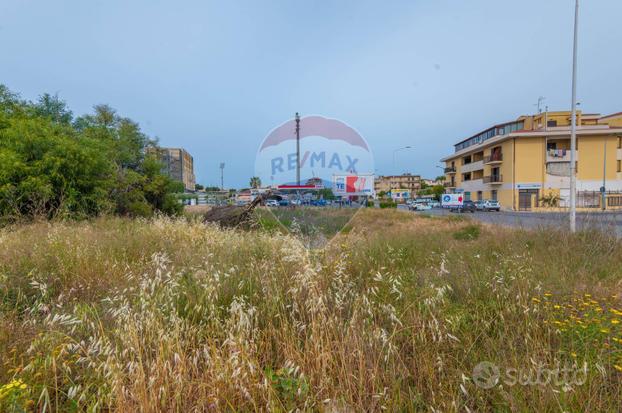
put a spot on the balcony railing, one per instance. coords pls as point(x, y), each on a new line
point(558, 155)
point(449, 184)
point(495, 157)
point(450, 170)
point(493, 179)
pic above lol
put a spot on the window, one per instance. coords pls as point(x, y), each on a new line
point(619, 166)
point(466, 176)
point(493, 194)
point(479, 195)
point(619, 142)
point(551, 123)
point(467, 196)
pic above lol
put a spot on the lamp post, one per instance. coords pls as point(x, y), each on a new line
point(397, 150)
point(573, 126)
point(222, 176)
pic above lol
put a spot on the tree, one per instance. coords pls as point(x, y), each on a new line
point(255, 182)
point(198, 187)
point(438, 191)
point(326, 193)
point(51, 166)
point(54, 108)
point(441, 178)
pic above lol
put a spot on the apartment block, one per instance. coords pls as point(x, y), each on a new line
point(404, 181)
point(178, 164)
point(520, 162)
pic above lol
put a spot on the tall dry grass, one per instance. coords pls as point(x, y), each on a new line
point(172, 315)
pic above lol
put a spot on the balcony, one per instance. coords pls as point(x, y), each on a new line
point(472, 166)
point(560, 155)
point(449, 184)
point(493, 179)
point(450, 170)
point(494, 158)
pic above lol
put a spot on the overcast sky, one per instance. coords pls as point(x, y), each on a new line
point(215, 77)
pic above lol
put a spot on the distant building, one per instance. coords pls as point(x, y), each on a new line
point(392, 182)
point(178, 165)
point(431, 182)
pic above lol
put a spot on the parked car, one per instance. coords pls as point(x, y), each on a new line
point(420, 207)
point(467, 206)
point(492, 205)
point(272, 203)
point(480, 205)
point(284, 202)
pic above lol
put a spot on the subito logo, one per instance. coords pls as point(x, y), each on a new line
point(328, 147)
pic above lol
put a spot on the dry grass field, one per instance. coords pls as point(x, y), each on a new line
point(171, 315)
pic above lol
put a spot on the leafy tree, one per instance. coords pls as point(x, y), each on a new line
point(53, 167)
point(54, 108)
point(255, 182)
point(326, 193)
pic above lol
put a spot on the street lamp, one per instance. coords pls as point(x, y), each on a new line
point(573, 126)
point(222, 176)
point(397, 150)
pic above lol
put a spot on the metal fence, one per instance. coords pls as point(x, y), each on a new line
point(593, 199)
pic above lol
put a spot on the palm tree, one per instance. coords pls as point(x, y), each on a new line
point(255, 182)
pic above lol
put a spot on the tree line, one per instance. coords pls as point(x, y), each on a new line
point(55, 165)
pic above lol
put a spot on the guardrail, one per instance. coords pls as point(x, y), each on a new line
point(493, 179)
point(496, 157)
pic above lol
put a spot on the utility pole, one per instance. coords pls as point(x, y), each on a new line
point(602, 190)
point(297, 149)
point(222, 174)
point(573, 126)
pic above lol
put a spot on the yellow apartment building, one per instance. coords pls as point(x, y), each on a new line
point(386, 183)
point(521, 162)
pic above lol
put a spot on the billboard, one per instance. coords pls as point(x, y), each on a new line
point(452, 200)
point(353, 185)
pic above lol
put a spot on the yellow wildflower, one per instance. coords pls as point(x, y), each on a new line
point(617, 367)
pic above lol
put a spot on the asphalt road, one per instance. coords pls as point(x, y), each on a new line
point(605, 221)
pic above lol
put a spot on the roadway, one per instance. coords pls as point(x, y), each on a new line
point(606, 221)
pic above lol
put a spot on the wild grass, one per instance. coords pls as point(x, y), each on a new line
point(169, 315)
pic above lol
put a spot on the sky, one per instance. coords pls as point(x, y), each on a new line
point(215, 77)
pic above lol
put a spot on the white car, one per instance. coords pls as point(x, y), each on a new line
point(420, 206)
point(490, 205)
point(272, 203)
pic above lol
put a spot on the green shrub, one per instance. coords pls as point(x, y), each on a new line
point(470, 232)
point(388, 204)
